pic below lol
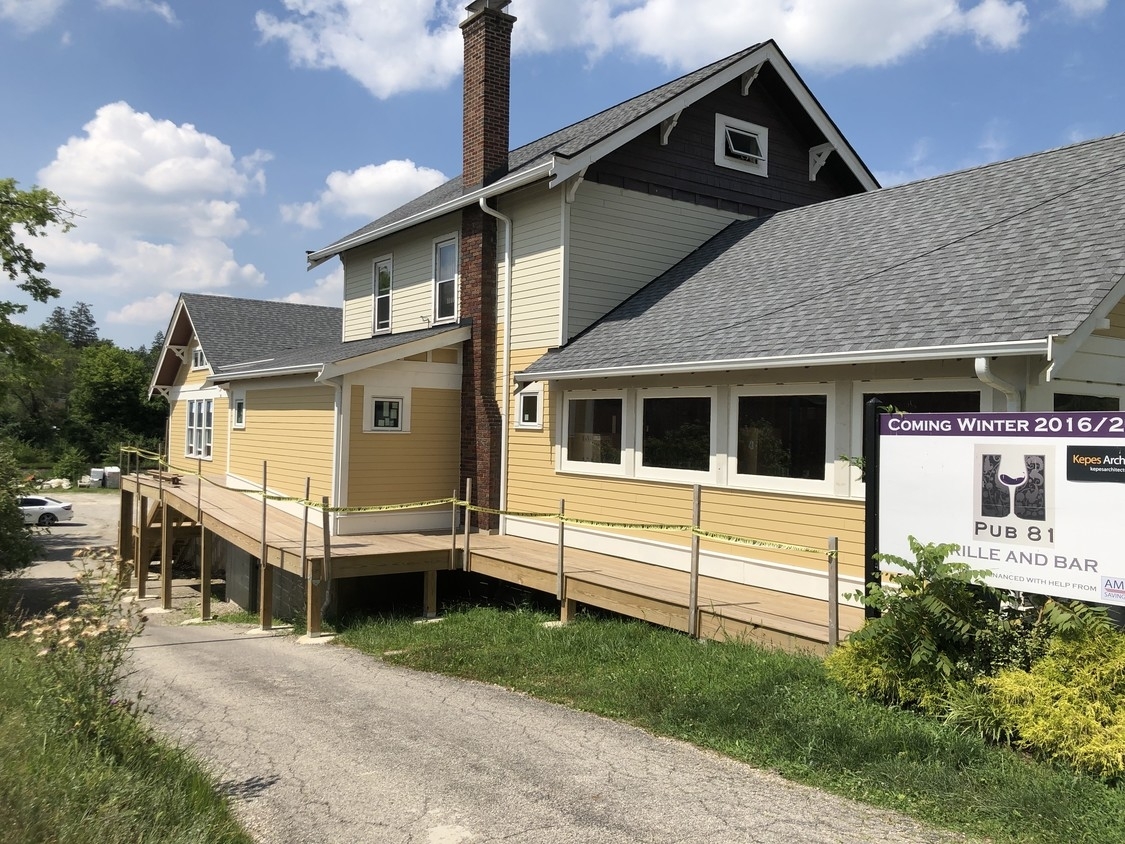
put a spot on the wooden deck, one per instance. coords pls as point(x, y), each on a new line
point(653, 593)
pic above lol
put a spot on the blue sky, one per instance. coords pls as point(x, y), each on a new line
point(209, 143)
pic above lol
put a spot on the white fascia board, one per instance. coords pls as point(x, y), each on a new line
point(416, 347)
point(510, 182)
point(298, 369)
point(177, 312)
point(566, 167)
point(1010, 349)
point(1064, 348)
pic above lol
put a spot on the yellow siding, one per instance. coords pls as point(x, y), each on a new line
point(412, 289)
point(396, 468)
point(621, 240)
point(190, 379)
point(293, 430)
point(445, 356)
point(536, 269)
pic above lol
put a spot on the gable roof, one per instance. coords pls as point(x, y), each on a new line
point(569, 151)
point(254, 338)
point(1000, 259)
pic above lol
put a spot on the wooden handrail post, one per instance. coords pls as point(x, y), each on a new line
point(326, 561)
point(560, 575)
point(466, 562)
point(693, 578)
point(833, 592)
point(265, 573)
point(312, 590)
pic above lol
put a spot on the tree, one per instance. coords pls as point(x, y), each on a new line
point(24, 214)
point(109, 404)
point(77, 326)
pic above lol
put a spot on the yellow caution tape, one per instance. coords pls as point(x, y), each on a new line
point(756, 543)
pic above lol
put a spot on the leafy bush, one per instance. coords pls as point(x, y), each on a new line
point(927, 634)
point(72, 464)
point(1071, 705)
point(17, 543)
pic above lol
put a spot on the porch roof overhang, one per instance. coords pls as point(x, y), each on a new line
point(1016, 348)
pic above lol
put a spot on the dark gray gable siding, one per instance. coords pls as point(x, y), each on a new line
point(684, 169)
point(1011, 251)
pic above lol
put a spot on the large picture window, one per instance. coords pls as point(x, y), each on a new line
point(594, 427)
point(382, 293)
point(200, 422)
point(676, 433)
point(445, 280)
point(782, 436)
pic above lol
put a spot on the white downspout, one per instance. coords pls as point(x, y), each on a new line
point(507, 368)
point(988, 377)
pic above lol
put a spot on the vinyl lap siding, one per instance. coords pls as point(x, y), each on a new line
point(412, 288)
point(397, 468)
point(292, 430)
point(622, 240)
point(536, 270)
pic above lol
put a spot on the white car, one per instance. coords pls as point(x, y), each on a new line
point(41, 510)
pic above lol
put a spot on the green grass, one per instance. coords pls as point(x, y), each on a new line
point(770, 709)
point(59, 788)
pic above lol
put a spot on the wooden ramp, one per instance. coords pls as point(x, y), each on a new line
point(191, 506)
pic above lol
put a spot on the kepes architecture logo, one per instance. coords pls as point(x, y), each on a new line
point(1014, 495)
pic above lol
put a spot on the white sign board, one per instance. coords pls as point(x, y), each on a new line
point(1037, 499)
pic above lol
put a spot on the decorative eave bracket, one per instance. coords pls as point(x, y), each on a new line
point(572, 184)
point(179, 351)
point(748, 78)
point(162, 391)
point(817, 156)
point(666, 127)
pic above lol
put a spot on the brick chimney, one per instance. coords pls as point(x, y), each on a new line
point(488, 46)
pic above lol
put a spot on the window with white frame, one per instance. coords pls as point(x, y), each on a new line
point(780, 435)
point(740, 145)
point(675, 433)
point(1080, 403)
point(238, 413)
point(445, 280)
point(200, 422)
point(529, 404)
point(894, 400)
point(381, 291)
point(594, 429)
point(198, 359)
point(386, 414)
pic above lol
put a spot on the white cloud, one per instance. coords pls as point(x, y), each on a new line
point(146, 310)
point(1082, 8)
point(396, 46)
point(368, 192)
point(994, 143)
point(389, 46)
point(29, 15)
point(159, 203)
point(163, 10)
point(328, 290)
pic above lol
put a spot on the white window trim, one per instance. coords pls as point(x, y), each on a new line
point(615, 470)
point(198, 358)
point(758, 168)
point(207, 442)
point(440, 241)
point(375, 329)
point(770, 483)
point(369, 399)
point(533, 389)
point(236, 399)
point(656, 473)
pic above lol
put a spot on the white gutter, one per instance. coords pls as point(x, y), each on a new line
point(299, 369)
point(988, 377)
point(516, 180)
point(1013, 348)
point(504, 407)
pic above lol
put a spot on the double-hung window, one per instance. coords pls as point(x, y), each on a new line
point(445, 280)
point(200, 422)
point(381, 290)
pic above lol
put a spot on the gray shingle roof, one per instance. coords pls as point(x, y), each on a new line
point(567, 142)
point(1005, 252)
point(234, 330)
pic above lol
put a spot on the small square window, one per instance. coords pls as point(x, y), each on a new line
point(740, 145)
point(386, 414)
point(198, 359)
point(529, 406)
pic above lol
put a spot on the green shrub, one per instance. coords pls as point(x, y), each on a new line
point(927, 634)
point(72, 464)
point(1071, 705)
